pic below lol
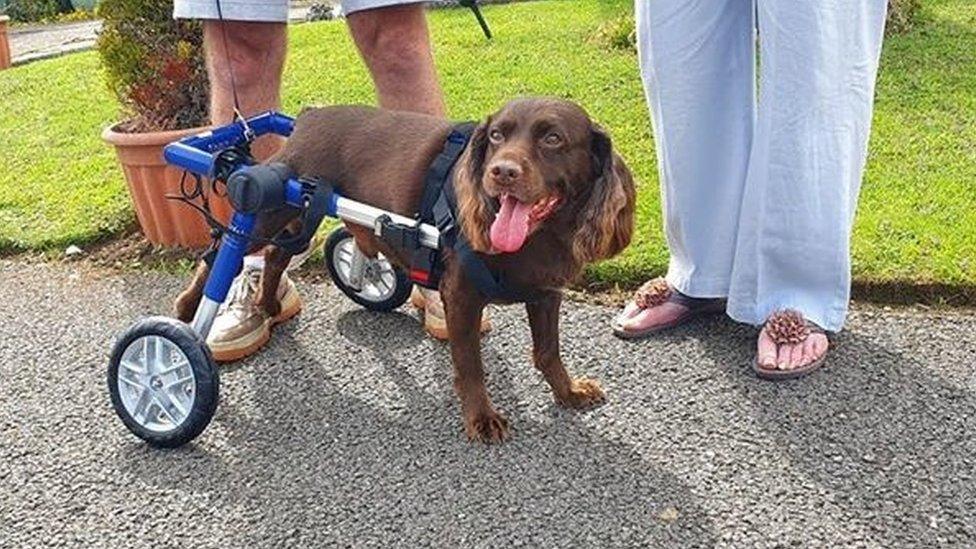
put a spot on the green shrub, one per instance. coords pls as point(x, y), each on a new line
point(153, 64)
point(618, 33)
point(36, 10)
point(74, 16)
point(902, 15)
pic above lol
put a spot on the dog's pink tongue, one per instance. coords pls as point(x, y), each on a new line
point(511, 225)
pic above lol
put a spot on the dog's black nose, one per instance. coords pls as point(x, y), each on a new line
point(505, 172)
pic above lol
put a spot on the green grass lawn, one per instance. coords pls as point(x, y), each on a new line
point(917, 219)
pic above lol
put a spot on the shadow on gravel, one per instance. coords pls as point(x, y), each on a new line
point(888, 438)
point(321, 464)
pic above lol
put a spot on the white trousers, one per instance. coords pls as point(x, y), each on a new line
point(759, 193)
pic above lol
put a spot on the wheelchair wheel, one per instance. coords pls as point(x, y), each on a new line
point(384, 286)
point(163, 382)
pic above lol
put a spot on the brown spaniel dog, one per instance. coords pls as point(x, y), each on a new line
point(540, 194)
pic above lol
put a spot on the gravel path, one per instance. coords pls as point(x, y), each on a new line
point(345, 432)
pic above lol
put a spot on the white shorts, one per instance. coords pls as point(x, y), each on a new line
point(265, 11)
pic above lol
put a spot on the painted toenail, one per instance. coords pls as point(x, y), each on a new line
point(782, 365)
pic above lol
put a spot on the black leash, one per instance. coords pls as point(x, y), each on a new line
point(243, 150)
point(238, 115)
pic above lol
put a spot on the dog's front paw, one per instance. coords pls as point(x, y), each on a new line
point(486, 426)
point(583, 393)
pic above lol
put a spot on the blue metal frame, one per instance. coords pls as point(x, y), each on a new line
point(201, 154)
point(197, 154)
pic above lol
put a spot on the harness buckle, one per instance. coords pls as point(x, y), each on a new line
point(406, 239)
point(423, 265)
point(403, 237)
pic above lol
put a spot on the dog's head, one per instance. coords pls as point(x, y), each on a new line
point(537, 161)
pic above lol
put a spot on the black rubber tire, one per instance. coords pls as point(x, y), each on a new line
point(400, 293)
point(204, 369)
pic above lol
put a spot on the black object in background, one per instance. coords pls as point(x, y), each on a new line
point(473, 4)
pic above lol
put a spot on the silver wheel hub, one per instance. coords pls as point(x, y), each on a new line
point(156, 383)
point(379, 277)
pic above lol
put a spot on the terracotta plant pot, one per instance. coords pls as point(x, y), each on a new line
point(4, 43)
point(150, 179)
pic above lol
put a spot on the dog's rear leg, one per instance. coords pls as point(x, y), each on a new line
point(187, 302)
point(463, 308)
point(275, 262)
point(544, 321)
point(365, 240)
point(185, 305)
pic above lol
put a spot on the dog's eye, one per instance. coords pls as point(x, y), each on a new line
point(496, 135)
point(553, 139)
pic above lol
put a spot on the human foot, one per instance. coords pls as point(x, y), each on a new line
point(789, 346)
point(658, 306)
point(429, 303)
point(243, 326)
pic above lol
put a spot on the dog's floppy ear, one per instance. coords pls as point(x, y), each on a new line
point(607, 218)
point(475, 211)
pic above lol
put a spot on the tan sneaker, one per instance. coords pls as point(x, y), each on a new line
point(429, 303)
point(241, 326)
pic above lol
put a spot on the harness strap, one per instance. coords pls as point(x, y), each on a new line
point(316, 208)
point(432, 206)
point(438, 206)
point(482, 277)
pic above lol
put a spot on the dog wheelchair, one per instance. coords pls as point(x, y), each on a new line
point(163, 381)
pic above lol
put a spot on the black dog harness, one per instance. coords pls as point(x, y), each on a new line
point(438, 207)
